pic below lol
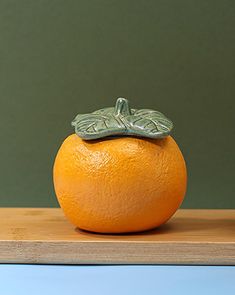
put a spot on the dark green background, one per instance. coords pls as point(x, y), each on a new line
point(59, 58)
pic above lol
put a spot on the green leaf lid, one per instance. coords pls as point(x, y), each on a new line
point(121, 120)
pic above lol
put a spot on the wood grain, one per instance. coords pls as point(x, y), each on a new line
point(43, 235)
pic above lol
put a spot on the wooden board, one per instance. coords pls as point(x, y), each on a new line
point(43, 235)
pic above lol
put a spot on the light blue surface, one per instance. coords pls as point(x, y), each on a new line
point(121, 280)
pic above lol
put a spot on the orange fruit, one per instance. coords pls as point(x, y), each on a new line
point(119, 184)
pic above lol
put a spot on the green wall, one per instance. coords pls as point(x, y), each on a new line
point(58, 58)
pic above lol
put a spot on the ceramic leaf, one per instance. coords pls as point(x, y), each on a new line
point(122, 121)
